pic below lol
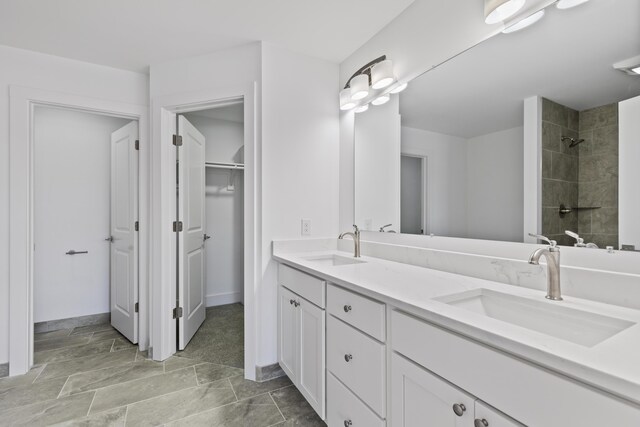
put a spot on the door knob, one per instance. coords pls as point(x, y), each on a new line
point(459, 408)
point(206, 237)
point(347, 308)
point(291, 301)
point(347, 357)
point(347, 423)
point(109, 239)
point(481, 423)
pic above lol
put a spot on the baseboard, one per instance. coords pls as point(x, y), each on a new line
point(269, 372)
point(4, 370)
point(72, 322)
point(223, 298)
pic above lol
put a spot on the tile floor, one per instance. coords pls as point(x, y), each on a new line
point(92, 376)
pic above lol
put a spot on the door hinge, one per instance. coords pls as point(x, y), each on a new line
point(137, 226)
point(177, 226)
point(177, 312)
point(137, 144)
point(177, 140)
point(136, 307)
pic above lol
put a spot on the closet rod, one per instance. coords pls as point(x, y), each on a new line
point(224, 165)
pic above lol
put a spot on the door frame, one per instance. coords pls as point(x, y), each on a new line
point(425, 189)
point(163, 260)
point(22, 104)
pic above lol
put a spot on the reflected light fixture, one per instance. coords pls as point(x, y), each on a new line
point(568, 4)
point(524, 23)
point(345, 100)
point(382, 74)
point(362, 108)
point(636, 70)
point(500, 10)
point(359, 87)
point(382, 99)
point(399, 88)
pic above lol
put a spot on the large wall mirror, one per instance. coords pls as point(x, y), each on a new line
point(446, 156)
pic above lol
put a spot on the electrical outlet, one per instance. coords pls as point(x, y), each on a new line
point(306, 227)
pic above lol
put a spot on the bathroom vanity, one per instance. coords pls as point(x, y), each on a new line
point(372, 342)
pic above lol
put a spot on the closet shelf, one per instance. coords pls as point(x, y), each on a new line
point(222, 165)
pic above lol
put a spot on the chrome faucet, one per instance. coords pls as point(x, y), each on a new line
point(580, 241)
point(383, 227)
point(552, 254)
point(355, 235)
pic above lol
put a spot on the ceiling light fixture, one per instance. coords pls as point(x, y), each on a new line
point(382, 74)
point(362, 108)
point(629, 66)
point(524, 23)
point(382, 99)
point(399, 88)
point(345, 100)
point(568, 4)
point(500, 10)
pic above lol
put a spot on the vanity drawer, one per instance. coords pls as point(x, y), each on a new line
point(343, 406)
point(510, 384)
point(308, 287)
point(358, 361)
point(361, 312)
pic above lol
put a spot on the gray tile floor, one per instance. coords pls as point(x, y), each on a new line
point(92, 376)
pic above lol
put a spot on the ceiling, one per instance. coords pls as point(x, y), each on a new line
point(232, 112)
point(132, 34)
point(566, 57)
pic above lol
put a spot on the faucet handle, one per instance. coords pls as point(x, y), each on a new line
point(552, 243)
point(579, 240)
point(355, 228)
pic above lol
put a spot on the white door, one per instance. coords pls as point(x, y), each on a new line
point(420, 398)
point(191, 256)
point(287, 338)
point(124, 239)
point(311, 337)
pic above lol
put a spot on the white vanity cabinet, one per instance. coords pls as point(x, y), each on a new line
point(419, 398)
point(301, 334)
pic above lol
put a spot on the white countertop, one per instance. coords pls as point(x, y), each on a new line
point(612, 365)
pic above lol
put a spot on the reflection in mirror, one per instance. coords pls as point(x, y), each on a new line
point(455, 167)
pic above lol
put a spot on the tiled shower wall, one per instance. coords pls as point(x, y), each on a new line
point(559, 170)
point(598, 175)
point(585, 175)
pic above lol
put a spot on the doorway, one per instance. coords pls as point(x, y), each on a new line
point(85, 228)
point(413, 198)
point(210, 234)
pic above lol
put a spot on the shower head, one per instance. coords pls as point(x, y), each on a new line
point(572, 141)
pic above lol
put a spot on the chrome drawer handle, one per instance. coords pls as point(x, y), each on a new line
point(481, 423)
point(347, 423)
point(347, 357)
point(347, 308)
point(296, 303)
point(459, 408)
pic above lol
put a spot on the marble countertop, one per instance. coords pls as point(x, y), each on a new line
point(612, 365)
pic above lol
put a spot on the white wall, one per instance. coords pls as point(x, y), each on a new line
point(446, 179)
point(300, 149)
point(72, 206)
point(494, 186)
point(24, 68)
point(224, 210)
point(377, 166)
point(629, 173)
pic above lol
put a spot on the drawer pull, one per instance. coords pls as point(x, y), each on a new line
point(459, 408)
point(347, 423)
point(291, 301)
point(294, 302)
point(481, 423)
point(347, 357)
point(347, 308)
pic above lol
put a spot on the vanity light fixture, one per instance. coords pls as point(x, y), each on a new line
point(345, 100)
point(382, 74)
point(382, 99)
point(500, 10)
point(399, 88)
point(524, 23)
point(359, 87)
point(362, 108)
point(568, 4)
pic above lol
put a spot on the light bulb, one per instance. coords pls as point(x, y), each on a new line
point(500, 10)
point(359, 87)
point(382, 74)
point(383, 99)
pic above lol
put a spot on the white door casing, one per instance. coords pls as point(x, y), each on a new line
point(124, 239)
point(191, 257)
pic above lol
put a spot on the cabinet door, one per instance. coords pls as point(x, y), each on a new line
point(288, 332)
point(487, 416)
point(420, 398)
point(312, 354)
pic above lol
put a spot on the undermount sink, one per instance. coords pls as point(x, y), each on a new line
point(333, 260)
point(551, 318)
